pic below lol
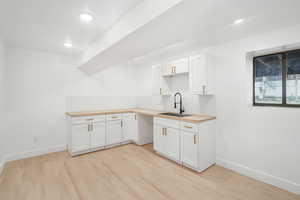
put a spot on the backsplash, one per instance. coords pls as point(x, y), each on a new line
point(86, 103)
point(192, 103)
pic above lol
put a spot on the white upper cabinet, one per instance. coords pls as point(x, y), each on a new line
point(160, 85)
point(167, 70)
point(176, 67)
point(202, 75)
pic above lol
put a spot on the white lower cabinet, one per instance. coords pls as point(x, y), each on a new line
point(189, 149)
point(87, 134)
point(166, 141)
point(172, 143)
point(159, 138)
point(98, 135)
point(93, 133)
point(192, 145)
point(130, 127)
point(114, 132)
point(80, 138)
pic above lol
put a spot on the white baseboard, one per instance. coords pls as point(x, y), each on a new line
point(261, 176)
point(35, 152)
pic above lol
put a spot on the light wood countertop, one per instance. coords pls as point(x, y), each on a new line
point(155, 113)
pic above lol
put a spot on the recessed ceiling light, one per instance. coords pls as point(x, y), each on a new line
point(68, 44)
point(238, 21)
point(86, 17)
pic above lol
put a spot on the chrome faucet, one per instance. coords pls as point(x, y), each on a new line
point(181, 110)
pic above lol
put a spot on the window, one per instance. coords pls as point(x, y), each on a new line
point(276, 79)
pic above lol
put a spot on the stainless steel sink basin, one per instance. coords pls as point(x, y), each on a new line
point(175, 114)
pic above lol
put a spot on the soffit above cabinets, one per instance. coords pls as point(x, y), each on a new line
point(188, 22)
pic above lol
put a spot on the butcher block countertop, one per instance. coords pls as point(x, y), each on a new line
point(155, 113)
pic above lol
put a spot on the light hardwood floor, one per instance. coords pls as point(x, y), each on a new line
point(127, 172)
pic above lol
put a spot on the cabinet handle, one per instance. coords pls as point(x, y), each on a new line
point(204, 89)
point(188, 127)
point(165, 131)
point(114, 117)
point(195, 139)
point(121, 123)
point(88, 127)
point(160, 91)
point(174, 69)
point(92, 127)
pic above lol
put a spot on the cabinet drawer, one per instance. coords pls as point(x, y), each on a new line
point(87, 119)
point(167, 122)
point(131, 116)
point(190, 127)
point(113, 117)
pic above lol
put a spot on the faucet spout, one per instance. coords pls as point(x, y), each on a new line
point(181, 110)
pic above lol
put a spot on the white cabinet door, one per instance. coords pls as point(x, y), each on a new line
point(202, 75)
point(113, 132)
point(168, 70)
point(189, 148)
point(98, 135)
point(172, 143)
point(158, 138)
point(156, 80)
point(129, 127)
point(80, 138)
point(180, 66)
point(197, 74)
point(160, 85)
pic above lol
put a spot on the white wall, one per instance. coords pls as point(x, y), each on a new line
point(2, 98)
point(262, 142)
point(37, 86)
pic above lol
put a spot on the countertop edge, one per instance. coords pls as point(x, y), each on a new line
point(154, 113)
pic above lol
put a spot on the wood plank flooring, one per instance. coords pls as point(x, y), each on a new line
point(127, 172)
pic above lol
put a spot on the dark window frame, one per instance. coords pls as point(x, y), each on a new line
point(284, 79)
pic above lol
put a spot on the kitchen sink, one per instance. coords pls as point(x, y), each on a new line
point(175, 114)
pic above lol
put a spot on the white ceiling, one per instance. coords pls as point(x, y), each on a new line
point(46, 24)
point(205, 22)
